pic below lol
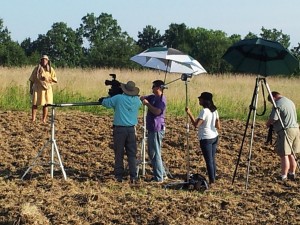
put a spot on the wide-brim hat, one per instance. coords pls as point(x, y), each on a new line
point(130, 88)
point(44, 57)
point(206, 96)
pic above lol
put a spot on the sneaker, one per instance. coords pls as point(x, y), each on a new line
point(291, 176)
point(133, 181)
point(119, 179)
point(152, 180)
point(283, 178)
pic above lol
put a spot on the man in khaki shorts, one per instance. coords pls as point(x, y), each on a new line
point(289, 138)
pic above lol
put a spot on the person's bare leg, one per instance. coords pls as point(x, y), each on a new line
point(33, 113)
point(293, 164)
point(285, 165)
point(45, 114)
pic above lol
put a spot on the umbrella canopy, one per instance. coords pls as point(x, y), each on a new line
point(260, 56)
point(169, 60)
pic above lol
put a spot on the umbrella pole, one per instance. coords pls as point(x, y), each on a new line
point(187, 135)
point(186, 182)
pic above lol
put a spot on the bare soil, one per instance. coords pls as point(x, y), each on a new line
point(90, 195)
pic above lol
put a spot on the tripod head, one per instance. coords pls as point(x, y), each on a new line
point(185, 76)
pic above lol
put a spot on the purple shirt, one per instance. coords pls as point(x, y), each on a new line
point(156, 122)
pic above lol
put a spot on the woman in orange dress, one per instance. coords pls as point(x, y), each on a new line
point(41, 80)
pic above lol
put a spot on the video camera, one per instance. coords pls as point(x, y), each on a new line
point(115, 88)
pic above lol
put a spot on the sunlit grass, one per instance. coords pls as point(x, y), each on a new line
point(232, 93)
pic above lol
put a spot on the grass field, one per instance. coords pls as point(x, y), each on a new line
point(91, 196)
point(232, 93)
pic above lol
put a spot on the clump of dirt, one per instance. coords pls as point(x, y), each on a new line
point(91, 196)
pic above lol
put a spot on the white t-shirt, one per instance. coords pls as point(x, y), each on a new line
point(207, 129)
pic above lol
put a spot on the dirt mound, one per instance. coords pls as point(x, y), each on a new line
point(91, 196)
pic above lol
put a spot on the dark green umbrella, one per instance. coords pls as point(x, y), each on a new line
point(260, 56)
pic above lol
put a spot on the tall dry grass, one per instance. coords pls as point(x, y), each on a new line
point(232, 93)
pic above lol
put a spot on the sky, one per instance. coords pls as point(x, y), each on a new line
point(29, 18)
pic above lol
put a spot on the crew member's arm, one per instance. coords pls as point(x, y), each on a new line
point(270, 122)
point(196, 122)
point(218, 123)
point(154, 110)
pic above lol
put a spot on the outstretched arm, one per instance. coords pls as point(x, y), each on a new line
point(196, 122)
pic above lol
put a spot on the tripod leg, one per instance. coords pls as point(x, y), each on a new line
point(251, 108)
point(143, 157)
point(59, 159)
point(35, 159)
point(252, 134)
point(167, 170)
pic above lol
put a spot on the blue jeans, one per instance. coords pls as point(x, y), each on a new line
point(209, 148)
point(154, 152)
point(125, 141)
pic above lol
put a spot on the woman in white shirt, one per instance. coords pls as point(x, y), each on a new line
point(207, 123)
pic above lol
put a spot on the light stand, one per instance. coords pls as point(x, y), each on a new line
point(253, 112)
point(52, 141)
point(142, 161)
point(180, 185)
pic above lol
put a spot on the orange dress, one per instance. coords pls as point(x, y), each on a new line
point(42, 85)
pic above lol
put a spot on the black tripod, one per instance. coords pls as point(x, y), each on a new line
point(54, 150)
point(253, 113)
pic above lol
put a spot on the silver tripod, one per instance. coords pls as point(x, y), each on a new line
point(252, 111)
point(54, 150)
point(52, 141)
point(142, 162)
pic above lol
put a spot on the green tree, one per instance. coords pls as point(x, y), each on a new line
point(32, 55)
point(276, 35)
point(272, 35)
point(65, 45)
point(61, 44)
point(150, 37)
point(108, 45)
point(11, 53)
point(208, 47)
point(250, 35)
point(176, 37)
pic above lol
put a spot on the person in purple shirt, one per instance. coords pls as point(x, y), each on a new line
point(155, 125)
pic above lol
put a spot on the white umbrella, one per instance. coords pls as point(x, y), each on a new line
point(173, 61)
point(169, 60)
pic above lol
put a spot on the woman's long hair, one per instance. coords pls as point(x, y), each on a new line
point(209, 104)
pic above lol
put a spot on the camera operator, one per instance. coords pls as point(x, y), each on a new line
point(288, 114)
point(126, 108)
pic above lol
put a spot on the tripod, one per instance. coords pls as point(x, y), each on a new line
point(54, 150)
point(253, 112)
point(142, 162)
point(52, 141)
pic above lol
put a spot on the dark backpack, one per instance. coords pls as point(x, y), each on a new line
point(197, 182)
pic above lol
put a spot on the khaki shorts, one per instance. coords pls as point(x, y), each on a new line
point(283, 147)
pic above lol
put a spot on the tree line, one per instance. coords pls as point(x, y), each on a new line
point(99, 42)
